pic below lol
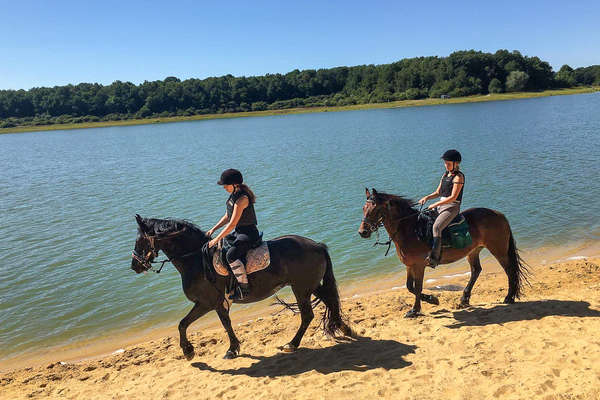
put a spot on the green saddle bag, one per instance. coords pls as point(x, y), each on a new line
point(457, 235)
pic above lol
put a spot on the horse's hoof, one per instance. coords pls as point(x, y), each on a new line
point(412, 314)
point(463, 304)
point(347, 331)
point(188, 352)
point(434, 300)
point(288, 348)
point(230, 355)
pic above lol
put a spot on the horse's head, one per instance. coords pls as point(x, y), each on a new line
point(144, 251)
point(178, 239)
point(373, 212)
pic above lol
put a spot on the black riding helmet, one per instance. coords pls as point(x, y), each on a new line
point(231, 177)
point(452, 155)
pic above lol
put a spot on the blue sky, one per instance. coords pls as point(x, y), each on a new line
point(48, 43)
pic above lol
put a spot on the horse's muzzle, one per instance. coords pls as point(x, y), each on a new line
point(139, 264)
point(364, 233)
point(136, 267)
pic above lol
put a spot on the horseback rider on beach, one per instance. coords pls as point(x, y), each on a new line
point(240, 227)
point(448, 207)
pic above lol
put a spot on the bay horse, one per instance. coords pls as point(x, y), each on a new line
point(488, 228)
point(295, 261)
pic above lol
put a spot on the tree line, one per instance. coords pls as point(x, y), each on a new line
point(462, 73)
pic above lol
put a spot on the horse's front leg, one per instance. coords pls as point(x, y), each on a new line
point(234, 343)
point(196, 312)
point(414, 284)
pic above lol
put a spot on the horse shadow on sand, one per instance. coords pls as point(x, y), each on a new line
point(362, 354)
point(521, 311)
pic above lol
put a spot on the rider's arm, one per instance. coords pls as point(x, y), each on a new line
point(238, 207)
point(458, 183)
point(432, 195)
point(219, 224)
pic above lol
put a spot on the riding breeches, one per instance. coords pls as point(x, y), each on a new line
point(447, 212)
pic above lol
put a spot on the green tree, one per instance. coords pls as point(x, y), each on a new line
point(565, 77)
point(516, 81)
point(495, 86)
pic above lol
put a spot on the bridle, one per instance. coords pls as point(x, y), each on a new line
point(374, 226)
point(370, 225)
point(145, 261)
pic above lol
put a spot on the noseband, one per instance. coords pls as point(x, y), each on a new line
point(370, 225)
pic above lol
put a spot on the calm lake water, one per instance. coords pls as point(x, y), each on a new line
point(68, 198)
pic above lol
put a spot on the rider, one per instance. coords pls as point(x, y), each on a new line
point(240, 229)
point(451, 190)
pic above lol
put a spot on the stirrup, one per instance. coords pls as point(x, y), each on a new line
point(240, 293)
point(431, 262)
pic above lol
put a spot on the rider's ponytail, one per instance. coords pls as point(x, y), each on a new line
point(249, 192)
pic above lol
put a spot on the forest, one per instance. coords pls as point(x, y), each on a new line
point(462, 73)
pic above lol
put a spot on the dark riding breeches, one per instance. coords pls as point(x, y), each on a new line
point(240, 244)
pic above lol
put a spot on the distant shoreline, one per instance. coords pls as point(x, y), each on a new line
point(303, 110)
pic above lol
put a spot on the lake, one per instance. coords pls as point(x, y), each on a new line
point(68, 198)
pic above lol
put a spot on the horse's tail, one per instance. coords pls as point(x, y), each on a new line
point(518, 270)
point(328, 293)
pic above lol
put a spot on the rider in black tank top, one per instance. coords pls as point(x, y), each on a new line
point(240, 227)
point(247, 222)
point(450, 190)
point(447, 184)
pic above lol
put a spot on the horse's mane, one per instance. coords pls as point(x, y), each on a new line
point(405, 205)
point(172, 225)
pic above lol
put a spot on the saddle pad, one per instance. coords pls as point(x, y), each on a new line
point(257, 259)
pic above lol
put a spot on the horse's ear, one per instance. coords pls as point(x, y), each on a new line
point(367, 193)
point(374, 195)
point(140, 222)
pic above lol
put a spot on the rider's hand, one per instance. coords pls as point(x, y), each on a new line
point(209, 232)
point(213, 243)
point(431, 207)
point(423, 201)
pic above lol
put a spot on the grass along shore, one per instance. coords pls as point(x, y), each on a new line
point(301, 110)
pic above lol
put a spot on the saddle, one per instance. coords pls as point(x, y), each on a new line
point(455, 235)
point(257, 258)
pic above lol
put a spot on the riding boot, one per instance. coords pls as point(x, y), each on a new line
point(239, 270)
point(435, 256)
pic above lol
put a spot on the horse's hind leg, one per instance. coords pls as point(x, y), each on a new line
point(234, 343)
point(475, 264)
point(513, 280)
point(196, 312)
point(306, 314)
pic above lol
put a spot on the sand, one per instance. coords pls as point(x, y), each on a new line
point(547, 346)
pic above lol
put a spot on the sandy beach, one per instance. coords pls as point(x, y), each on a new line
point(544, 347)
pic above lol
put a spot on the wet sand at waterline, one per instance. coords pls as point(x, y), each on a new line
point(545, 346)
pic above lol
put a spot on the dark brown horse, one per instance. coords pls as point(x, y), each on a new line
point(488, 228)
point(295, 261)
